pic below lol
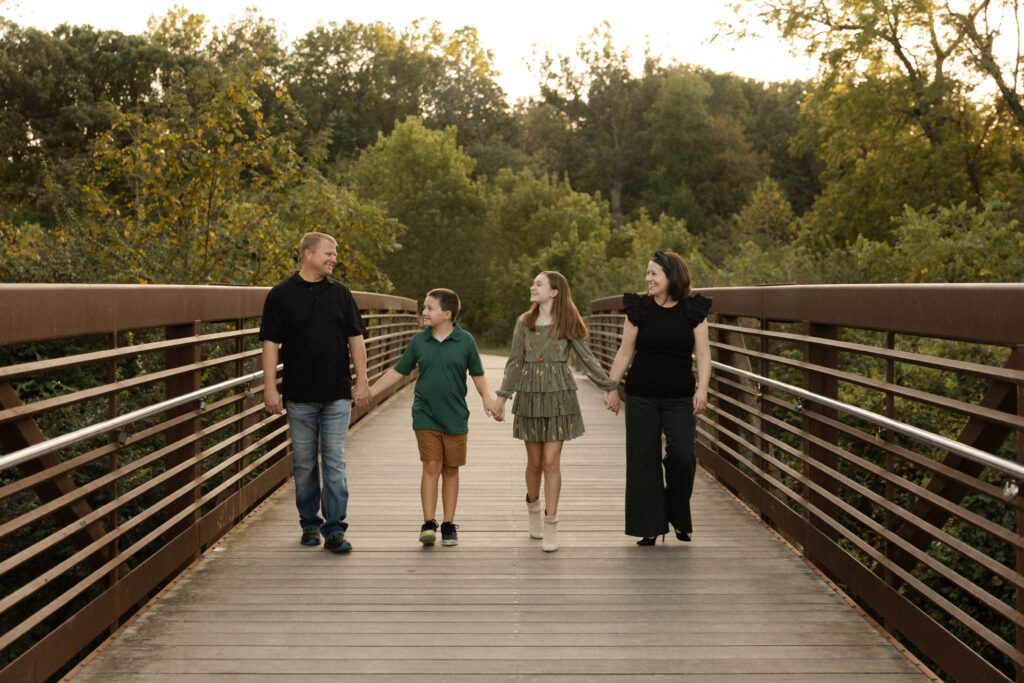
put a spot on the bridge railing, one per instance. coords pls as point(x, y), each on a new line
point(156, 393)
point(880, 430)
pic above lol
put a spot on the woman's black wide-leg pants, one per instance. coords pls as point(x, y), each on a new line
point(656, 497)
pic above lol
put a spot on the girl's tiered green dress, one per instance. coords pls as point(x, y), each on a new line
point(538, 373)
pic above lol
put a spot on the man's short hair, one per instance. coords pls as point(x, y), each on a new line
point(448, 299)
point(312, 240)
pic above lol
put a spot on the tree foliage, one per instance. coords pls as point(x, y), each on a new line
point(198, 153)
point(424, 180)
point(911, 98)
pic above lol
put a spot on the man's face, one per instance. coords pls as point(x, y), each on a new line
point(322, 258)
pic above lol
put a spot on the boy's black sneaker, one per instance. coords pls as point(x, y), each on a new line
point(310, 536)
point(428, 532)
point(336, 543)
point(449, 535)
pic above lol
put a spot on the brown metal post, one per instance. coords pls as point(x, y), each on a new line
point(113, 519)
point(827, 386)
point(1017, 361)
point(890, 490)
point(178, 386)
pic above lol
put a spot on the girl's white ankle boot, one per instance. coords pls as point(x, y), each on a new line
point(536, 523)
point(550, 533)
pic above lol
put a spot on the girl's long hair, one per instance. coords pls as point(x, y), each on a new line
point(566, 320)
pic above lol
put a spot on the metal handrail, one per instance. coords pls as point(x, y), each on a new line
point(1013, 471)
point(64, 440)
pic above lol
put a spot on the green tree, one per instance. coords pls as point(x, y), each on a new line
point(424, 180)
point(529, 214)
point(770, 116)
point(767, 216)
point(900, 115)
point(195, 194)
point(680, 135)
point(58, 91)
point(603, 105)
point(954, 244)
point(355, 81)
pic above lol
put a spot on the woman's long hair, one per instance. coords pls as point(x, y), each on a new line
point(566, 320)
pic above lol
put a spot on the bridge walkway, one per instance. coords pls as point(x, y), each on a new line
point(734, 605)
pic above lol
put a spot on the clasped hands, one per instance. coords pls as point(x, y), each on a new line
point(495, 407)
point(362, 394)
point(611, 401)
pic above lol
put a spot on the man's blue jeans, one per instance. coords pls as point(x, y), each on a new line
point(320, 429)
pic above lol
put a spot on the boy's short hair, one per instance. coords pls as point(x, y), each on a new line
point(448, 299)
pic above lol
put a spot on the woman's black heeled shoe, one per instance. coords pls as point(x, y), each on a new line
point(683, 536)
point(650, 540)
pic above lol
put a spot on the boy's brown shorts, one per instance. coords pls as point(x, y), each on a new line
point(450, 449)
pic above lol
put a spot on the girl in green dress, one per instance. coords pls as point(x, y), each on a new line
point(546, 409)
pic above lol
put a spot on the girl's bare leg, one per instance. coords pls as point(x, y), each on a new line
point(551, 460)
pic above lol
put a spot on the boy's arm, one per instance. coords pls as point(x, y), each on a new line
point(385, 382)
point(491, 405)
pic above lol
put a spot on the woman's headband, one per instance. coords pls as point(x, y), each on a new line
point(663, 260)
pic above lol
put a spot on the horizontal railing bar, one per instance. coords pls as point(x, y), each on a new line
point(27, 410)
point(123, 499)
point(30, 623)
point(978, 521)
point(51, 445)
point(71, 438)
point(935, 466)
point(919, 359)
point(12, 372)
point(115, 534)
point(923, 397)
point(933, 596)
point(934, 532)
point(121, 472)
point(107, 449)
point(1007, 467)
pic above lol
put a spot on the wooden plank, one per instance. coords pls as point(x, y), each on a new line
point(735, 604)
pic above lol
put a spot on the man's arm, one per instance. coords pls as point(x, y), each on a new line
point(361, 391)
point(271, 396)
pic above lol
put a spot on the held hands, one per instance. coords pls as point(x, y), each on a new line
point(361, 394)
point(611, 401)
point(496, 408)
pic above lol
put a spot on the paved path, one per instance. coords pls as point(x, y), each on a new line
point(734, 605)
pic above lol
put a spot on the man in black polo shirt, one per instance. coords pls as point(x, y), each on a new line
point(311, 323)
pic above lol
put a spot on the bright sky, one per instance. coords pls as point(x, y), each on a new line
point(512, 31)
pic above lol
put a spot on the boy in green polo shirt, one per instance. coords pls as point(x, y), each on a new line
point(444, 353)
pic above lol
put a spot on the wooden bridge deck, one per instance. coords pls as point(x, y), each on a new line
point(735, 605)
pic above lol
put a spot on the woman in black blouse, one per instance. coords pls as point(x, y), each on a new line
point(662, 329)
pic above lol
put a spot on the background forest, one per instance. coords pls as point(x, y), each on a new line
point(198, 154)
